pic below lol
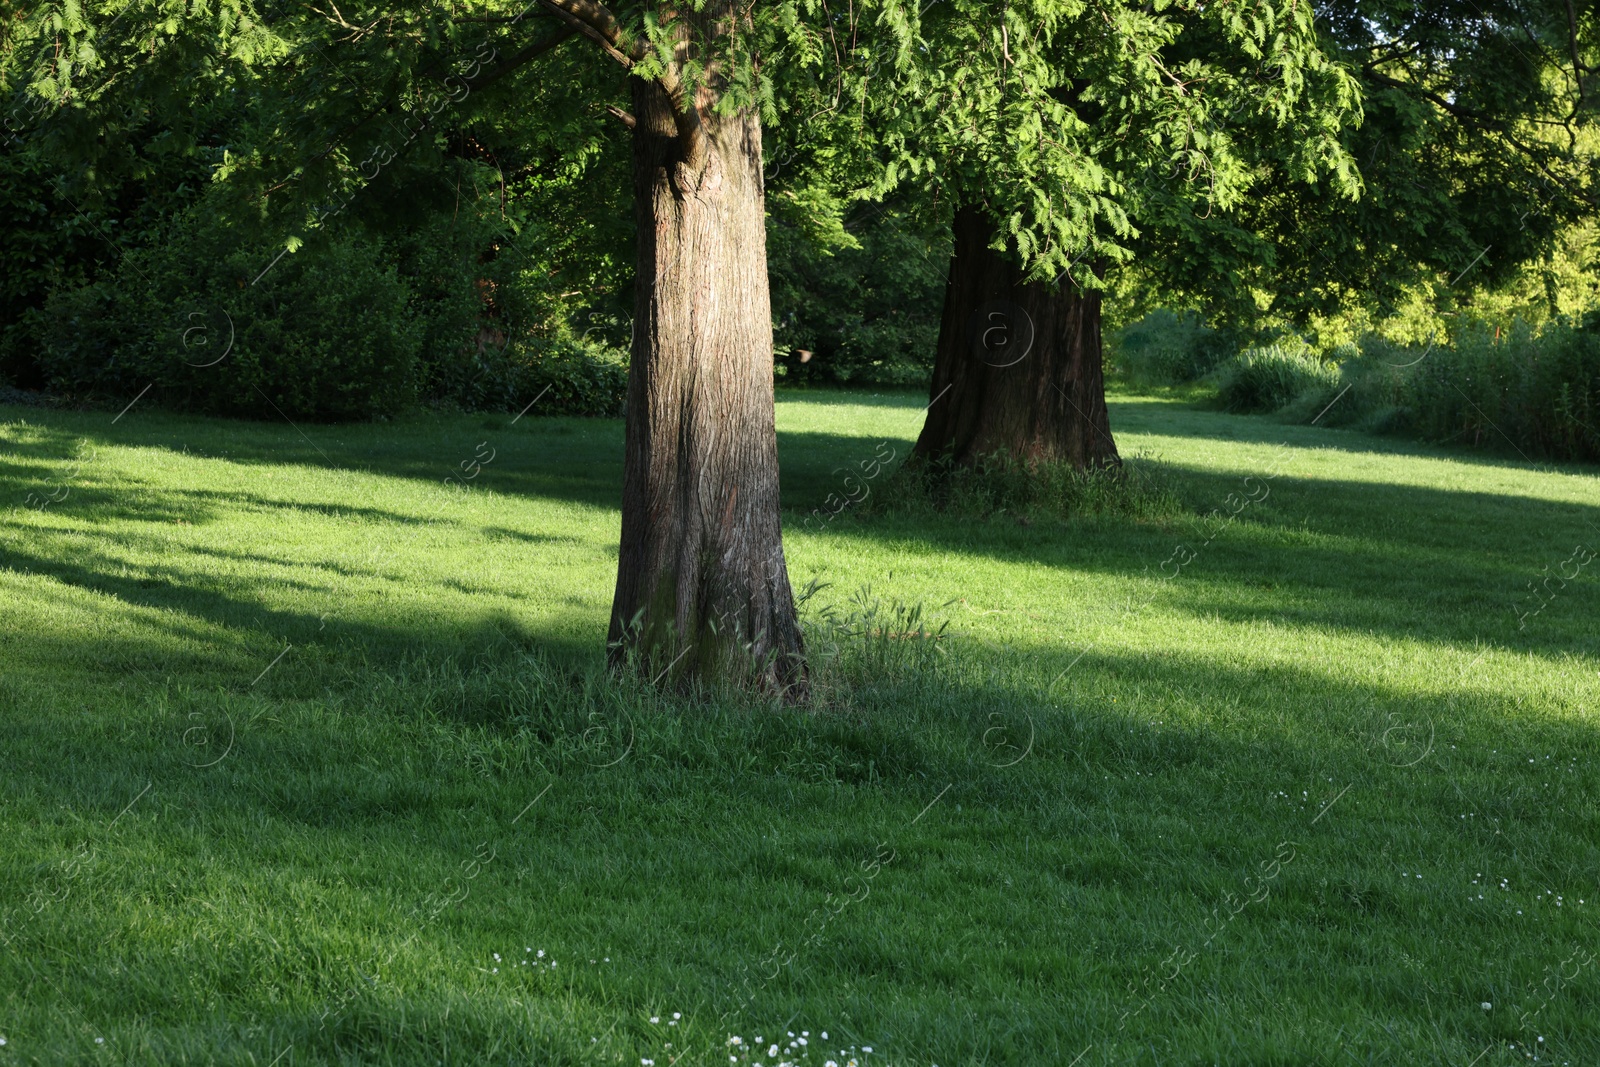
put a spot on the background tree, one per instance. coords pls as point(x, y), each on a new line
point(1088, 127)
point(1477, 153)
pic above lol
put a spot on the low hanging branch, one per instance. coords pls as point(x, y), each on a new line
point(517, 59)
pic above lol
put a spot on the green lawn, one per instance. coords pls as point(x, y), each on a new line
point(294, 740)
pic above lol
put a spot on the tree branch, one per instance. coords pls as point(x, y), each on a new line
point(483, 80)
point(595, 21)
point(1483, 122)
point(1578, 67)
point(517, 59)
point(685, 112)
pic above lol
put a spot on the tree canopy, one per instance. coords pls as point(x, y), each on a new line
point(1080, 124)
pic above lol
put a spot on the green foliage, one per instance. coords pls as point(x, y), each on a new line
point(871, 644)
point(43, 245)
point(867, 312)
point(60, 228)
point(334, 331)
point(1268, 377)
point(1479, 149)
point(1527, 391)
point(574, 377)
point(1168, 347)
point(212, 324)
point(1520, 389)
point(1080, 130)
point(1074, 125)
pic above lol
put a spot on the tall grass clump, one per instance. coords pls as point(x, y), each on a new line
point(1536, 392)
point(1139, 488)
point(886, 676)
point(870, 642)
point(1270, 377)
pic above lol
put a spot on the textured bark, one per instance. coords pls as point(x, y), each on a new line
point(702, 588)
point(1019, 365)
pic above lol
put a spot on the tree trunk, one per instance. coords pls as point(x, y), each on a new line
point(1018, 367)
point(702, 589)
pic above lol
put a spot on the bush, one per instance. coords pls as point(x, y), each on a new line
point(566, 376)
point(61, 227)
point(347, 327)
point(1168, 348)
point(574, 378)
point(1538, 392)
point(326, 333)
point(1268, 378)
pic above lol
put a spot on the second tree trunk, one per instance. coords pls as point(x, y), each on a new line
point(1018, 368)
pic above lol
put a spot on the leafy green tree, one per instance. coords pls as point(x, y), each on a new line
point(1061, 132)
point(347, 94)
point(1478, 155)
point(1093, 135)
point(864, 312)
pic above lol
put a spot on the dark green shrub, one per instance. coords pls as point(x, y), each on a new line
point(44, 245)
point(215, 326)
point(453, 298)
point(61, 228)
point(572, 378)
point(862, 315)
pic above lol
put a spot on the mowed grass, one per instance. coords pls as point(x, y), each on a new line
point(295, 738)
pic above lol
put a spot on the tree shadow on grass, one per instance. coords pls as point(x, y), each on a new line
point(1403, 560)
point(1355, 556)
point(1352, 556)
point(1144, 788)
point(1148, 785)
point(185, 610)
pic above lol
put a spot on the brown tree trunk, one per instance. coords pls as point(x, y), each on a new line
point(702, 588)
point(1018, 367)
